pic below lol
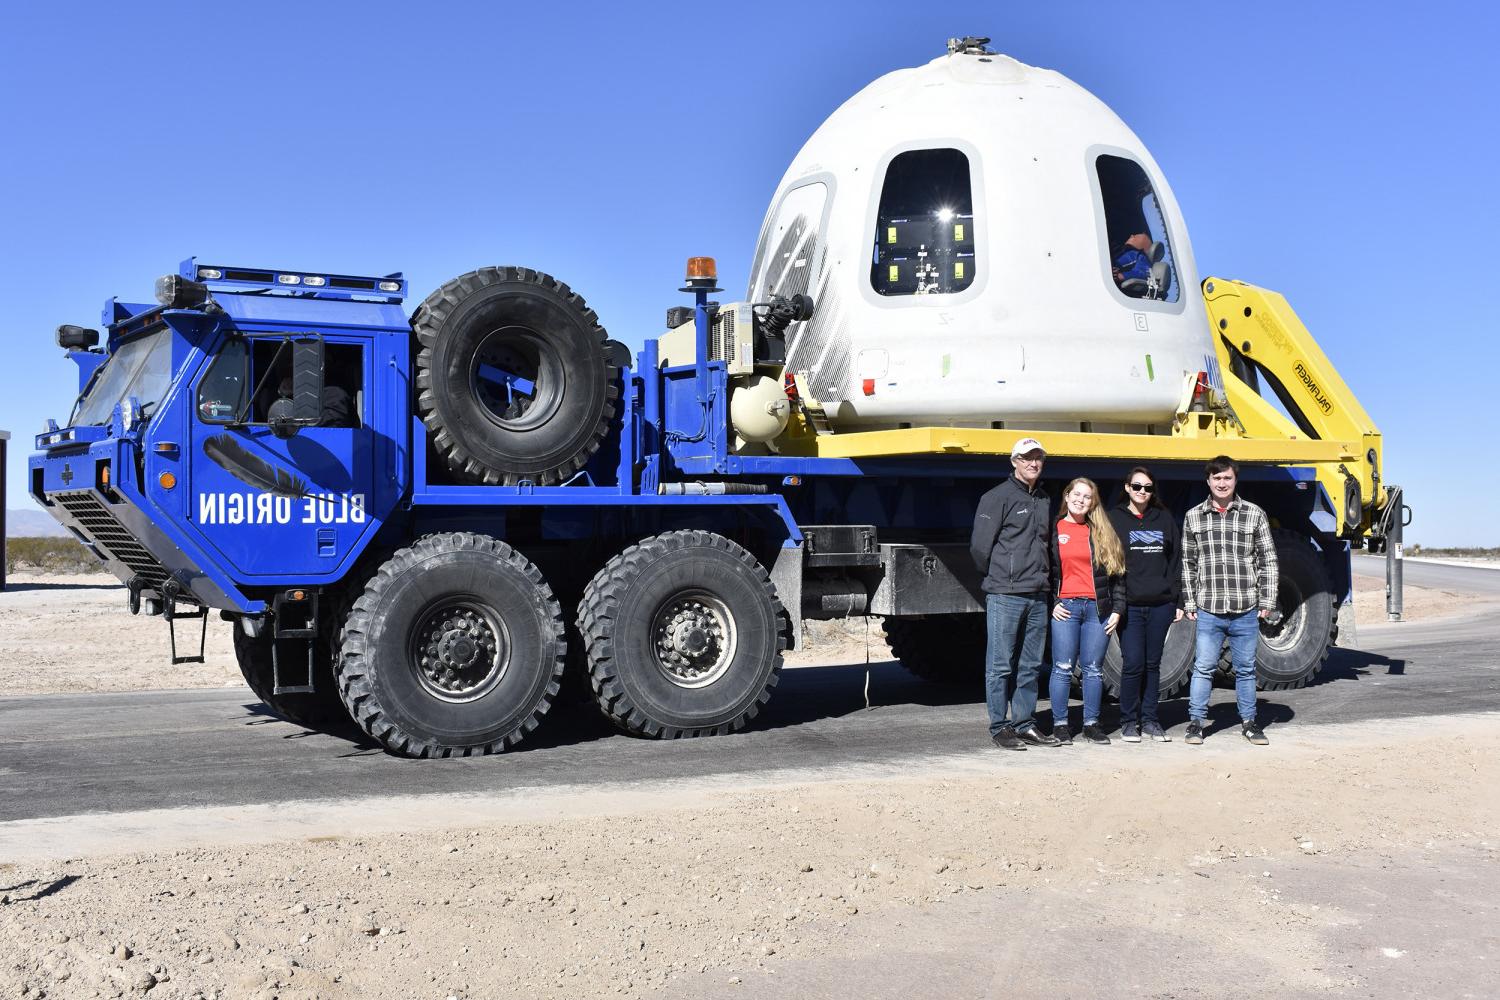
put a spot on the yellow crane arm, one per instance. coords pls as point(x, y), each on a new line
point(1261, 340)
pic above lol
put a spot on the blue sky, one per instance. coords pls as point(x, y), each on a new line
point(1339, 154)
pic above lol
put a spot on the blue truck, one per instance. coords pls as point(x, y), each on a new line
point(430, 523)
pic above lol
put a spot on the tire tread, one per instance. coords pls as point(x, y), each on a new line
point(596, 622)
point(356, 686)
point(426, 323)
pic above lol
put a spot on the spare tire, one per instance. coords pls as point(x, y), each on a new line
point(513, 377)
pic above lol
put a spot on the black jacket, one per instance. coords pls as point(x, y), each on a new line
point(1109, 591)
point(1009, 542)
point(1153, 555)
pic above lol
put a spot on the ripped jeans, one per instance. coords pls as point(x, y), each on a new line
point(1079, 640)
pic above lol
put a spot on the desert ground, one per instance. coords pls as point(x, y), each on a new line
point(73, 634)
point(1354, 859)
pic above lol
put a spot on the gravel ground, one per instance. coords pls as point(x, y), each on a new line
point(954, 879)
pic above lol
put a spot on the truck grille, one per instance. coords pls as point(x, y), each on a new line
point(110, 536)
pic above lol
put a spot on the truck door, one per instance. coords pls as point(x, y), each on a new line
point(274, 507)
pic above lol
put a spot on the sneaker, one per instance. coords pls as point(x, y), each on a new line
point(1156, 732)
point(1195, 732)
point(1006, 739)
point(1252, 733)
point(1037, 738)
point(1094, 734)
point(1130, 732)
point(1062, 735)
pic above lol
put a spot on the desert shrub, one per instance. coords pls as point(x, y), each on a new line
point(48, 555)
point(1453, 552)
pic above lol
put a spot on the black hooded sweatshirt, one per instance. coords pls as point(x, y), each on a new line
point(1153, 555)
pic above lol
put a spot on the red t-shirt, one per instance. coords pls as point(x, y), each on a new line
point(1077, 559)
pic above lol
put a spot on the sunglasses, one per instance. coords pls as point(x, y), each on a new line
point(1143, 487)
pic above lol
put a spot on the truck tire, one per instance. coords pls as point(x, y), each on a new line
point(323, 709)
point(684, 636)
point(455, 648)
point(541, 429)
point(1176, 660)
point(944, 649)
point(1291, 652)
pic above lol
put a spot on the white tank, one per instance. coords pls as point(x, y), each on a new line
point(957, 225)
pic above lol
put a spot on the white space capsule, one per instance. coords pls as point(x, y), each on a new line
point(961, 227)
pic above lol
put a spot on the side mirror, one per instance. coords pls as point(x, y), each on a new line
point(305, 409)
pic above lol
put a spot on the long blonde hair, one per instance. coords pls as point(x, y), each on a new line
point(1109, 554)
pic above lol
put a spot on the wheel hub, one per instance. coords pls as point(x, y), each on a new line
point(1286, 633)
point(460, 651)
point(513, 376)
point(694, 639)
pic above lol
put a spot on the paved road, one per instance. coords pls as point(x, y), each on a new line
point(68, 754)
point(1464, 579)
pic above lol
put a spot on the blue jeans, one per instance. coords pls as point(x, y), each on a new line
point(1143, 634)
point(1243, 632)
point(1081, 640)
point(1016, 627)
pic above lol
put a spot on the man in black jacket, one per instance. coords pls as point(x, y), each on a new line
point(1009, 546)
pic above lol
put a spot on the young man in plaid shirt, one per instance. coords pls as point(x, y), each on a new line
point(1228, 586)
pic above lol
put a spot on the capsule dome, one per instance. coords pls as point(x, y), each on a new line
point(985, 241)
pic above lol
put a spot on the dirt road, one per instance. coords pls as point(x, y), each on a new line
point(1352, 860)
point(841, 853)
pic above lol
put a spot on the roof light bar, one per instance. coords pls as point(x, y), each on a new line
point(326, 285)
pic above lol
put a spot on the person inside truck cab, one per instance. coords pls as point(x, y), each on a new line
point(338, 408)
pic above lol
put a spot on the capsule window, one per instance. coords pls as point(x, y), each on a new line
point(1140, 255)
point(924, 227)
point(789, 256)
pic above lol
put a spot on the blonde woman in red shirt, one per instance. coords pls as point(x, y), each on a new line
point(1088, 591)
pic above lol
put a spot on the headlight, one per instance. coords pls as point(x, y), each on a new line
point(176, 292)
point(76, 338)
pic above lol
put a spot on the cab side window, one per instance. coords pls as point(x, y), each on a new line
point(224, 390)
point(248, 377)
point(924, 228)
point(1140, 253)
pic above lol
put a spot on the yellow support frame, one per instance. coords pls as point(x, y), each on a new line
point(1261, 327)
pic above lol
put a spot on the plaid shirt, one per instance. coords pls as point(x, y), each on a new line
point(1228, 559)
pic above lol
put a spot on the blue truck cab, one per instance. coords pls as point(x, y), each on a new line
point(167, 467)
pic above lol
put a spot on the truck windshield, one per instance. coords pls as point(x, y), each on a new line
point(141, 368)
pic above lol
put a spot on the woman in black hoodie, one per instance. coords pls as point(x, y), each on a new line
point(1153, 600)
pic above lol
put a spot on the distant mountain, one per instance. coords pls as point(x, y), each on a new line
point(31, 524)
